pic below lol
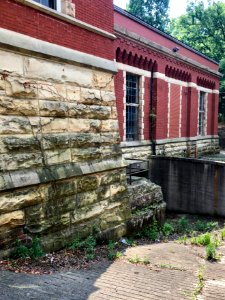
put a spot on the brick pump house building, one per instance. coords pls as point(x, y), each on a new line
point(79, 82)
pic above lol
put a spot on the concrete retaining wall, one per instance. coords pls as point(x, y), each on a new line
point(190, 185)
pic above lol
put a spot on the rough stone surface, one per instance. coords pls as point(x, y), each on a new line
point(61, 169)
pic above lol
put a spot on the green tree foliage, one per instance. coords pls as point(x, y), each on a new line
point(153, 12)
point(203, 28)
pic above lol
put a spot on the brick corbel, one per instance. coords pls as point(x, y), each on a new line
point(68, 8)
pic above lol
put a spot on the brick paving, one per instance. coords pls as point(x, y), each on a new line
point(171, 274)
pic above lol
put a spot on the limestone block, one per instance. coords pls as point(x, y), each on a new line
point(10, 106)
point(89, 111)
point(53, 108)
point(87, 198)
point(60, 189)
point(16, 200)
point(20, 88)
point(87, 183)
point(54, 125)
point(20, 161)
point(46, 70)
point(57, 156)
point(109, 125)
point(108, 98)
point(86, 154)
point(110, 138)
point(83, 125)
point(117, 188)
point(68, 8)
point(103, 80)
point(88, 212)
point(114, 114)
point(79, 140)
point(90, 96)
point(11, 62)
point(50, 91)
point(2, 83)
point(110, 177)
point(19, 125)
point(73, 93)
point(19, 143)
point(12, 219)
point(52, 141)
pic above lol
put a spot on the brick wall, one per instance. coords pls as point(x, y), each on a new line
point(98, 13)
point(174, 111)
point(23, 19)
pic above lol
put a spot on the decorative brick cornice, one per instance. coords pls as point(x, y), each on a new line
point(136, 41)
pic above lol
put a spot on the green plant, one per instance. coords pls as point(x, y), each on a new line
point(201, 225)
point(118, 254)
point(211, 251)
point(33, 251)
point(88, 246)
point(223, 233)
point(167, 229)
point(200, 284)
point(183, 239)
point(21, 251)
point(201, 240)
point(111, 247)
point(36, 249)
point(183, 225)
point(212, 225)
point(152, 231)
point(134, 260)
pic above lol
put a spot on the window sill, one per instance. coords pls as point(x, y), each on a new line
point(63, 17)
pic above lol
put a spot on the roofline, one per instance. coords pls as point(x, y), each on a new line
point(170, 37)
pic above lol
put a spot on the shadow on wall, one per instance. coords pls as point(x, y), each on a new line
point(190, 185)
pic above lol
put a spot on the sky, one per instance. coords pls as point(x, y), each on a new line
point(177, 7)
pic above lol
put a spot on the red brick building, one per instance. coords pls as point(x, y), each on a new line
point(71, 71)
point(166, 92)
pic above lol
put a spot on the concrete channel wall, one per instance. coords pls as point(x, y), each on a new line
point(190, 185)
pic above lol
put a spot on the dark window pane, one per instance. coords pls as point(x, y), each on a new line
point(132, 107)
point(49, 3)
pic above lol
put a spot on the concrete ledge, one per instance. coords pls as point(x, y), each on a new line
point(26, 44)
point(22, 178)
point(68, 19)
point(164, 50)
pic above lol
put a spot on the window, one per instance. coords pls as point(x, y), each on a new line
point(49, 3)
point(132, 107)
point(201, 117)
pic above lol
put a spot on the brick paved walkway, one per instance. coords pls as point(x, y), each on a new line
point(171, 274)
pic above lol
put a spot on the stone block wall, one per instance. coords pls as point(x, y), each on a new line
point(61, 169)
point(171, 148)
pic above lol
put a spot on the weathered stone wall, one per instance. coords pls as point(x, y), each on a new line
point(61, 169)
point(176, 148)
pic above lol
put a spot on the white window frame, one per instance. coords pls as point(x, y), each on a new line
point(202, 113)
point(58, 5)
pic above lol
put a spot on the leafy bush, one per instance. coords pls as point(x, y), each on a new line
point(183, 225)
point(33, 251)
point(152, 231)
point(167, 229)
point(201, 240)
point(88, 246)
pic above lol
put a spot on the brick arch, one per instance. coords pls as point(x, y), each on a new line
point(135, 60)
point(206, 83)
point(178, 74)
